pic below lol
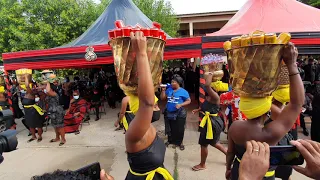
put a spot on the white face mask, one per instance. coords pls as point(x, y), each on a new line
point(45, 91)
point(37, 99)
point(22, 91)
point(76, 97)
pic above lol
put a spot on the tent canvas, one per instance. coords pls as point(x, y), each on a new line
point(97, 33)
point(272, 16)
point(73, 54)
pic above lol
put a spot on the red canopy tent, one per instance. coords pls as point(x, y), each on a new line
point(301, 20)
point(73, 54)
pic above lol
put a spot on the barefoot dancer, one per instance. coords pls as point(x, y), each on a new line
point(211, 124)
point(145, 149)
point(32, 111)
point(256, 110)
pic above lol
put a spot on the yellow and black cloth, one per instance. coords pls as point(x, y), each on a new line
point(148, 164)
point(211, 124)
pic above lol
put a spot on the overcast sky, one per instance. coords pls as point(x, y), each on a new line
point(200, 6)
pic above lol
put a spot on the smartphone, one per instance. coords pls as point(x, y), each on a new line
point(285, 155)
point(92, 171)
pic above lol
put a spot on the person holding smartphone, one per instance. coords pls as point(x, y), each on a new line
point(175, 114)
point(256, 110)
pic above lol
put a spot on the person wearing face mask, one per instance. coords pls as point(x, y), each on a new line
point(55, 112)
point(32, 111)
point(75, 114)
point(96, 102)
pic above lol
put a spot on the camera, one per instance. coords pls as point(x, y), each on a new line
point(8, 137)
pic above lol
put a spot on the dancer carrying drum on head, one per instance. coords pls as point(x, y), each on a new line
point(256, 110)
point(211, 124)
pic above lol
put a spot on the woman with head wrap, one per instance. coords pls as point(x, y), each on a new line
point(175, 115)
point(256, 110)
point(211, 124)
point(55, 112)
point(145, 149)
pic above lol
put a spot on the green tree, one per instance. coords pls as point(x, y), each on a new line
point(156, 10)
point(314, 3)
point(52, 23)
point(12, 23)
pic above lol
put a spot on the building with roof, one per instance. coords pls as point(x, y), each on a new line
point(198, 24)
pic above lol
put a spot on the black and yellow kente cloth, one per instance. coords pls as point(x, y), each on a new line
point(207, 120)
point(150, 175)
point(36, 107)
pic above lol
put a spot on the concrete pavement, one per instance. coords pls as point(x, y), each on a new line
point(99, 142)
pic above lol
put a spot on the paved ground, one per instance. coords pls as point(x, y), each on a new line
point(99, 142)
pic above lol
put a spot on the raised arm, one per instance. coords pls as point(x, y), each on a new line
point(163, 95)
point(141, 123)
point(27, 83)
point(285, 120)
point(124, 104)
point(215, 98)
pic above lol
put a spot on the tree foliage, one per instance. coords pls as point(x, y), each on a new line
point(41, 24)
point(314, 3)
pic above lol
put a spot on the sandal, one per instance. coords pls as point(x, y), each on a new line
point(54, 140)
point(30, 140)
point(61, 143)
point(182, 147)
point(198, 168)
point(39, 139)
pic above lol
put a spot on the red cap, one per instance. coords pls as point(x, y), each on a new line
point(156, 25)
point(119, 24)
point(146, 32)
point(126, 31)
point(154, 32)
point(111, 34)
point(118, 33)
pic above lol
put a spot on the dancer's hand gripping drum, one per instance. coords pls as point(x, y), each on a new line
point(254, 67)
point(125, 62)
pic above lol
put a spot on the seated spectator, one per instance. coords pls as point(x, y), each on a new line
point(75, 114)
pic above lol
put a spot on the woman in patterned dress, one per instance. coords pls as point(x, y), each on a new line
point(55, 113)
